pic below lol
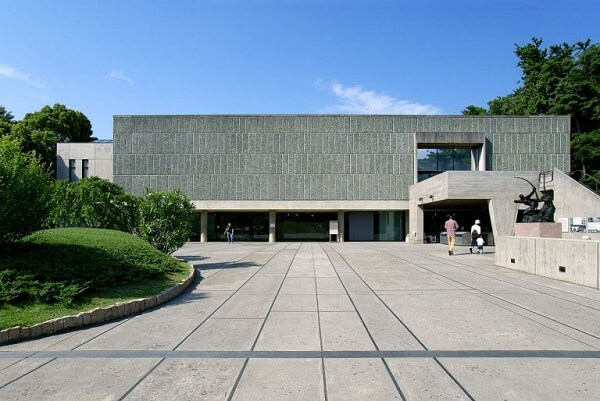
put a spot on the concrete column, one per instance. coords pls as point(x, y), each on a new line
point(415, 223)
point(341, 226)
point(482, 158)
point(203, 226)
point(272, 227)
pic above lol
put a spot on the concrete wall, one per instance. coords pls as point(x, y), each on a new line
point(544, 257)
point(499, 188)
point(573, 200)
point(314, 157)
point(99, 155)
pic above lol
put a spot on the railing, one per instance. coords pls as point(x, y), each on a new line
point(544, 177)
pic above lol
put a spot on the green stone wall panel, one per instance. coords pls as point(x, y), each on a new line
point(313, 157)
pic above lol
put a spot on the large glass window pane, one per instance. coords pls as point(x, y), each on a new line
point(427, 159)
point(462, 159)
point(445, 159)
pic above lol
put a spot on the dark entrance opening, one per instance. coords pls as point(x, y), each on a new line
point(248, 226)
point(309, 226)
point(465, 212)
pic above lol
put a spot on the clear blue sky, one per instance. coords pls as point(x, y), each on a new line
point(109, 57)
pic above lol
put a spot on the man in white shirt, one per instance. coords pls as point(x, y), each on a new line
point(475, 233)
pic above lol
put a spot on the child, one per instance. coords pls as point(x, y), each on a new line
point(480, 243)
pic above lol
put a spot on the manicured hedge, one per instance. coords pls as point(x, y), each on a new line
point(59, 265)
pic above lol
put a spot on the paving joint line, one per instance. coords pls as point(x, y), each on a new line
point(385, 364)
point(243, 368)
point(503, 300)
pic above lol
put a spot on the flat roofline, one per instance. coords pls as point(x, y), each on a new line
point(339, 115)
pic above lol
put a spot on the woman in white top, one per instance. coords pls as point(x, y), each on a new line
point(475, 233)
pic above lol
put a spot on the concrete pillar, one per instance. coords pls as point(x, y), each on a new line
point(341, 226)
point(203, 226)
point(415, 223)
point(272, 226)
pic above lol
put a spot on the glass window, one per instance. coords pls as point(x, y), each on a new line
point(427, 159)
point(433, 161)
point(85, 167)
point(445, 159)
point(72, 175)
point(462, 159)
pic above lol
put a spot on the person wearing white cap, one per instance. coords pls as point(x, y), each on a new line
point(475, 233)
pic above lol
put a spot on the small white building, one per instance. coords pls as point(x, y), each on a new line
point(80, 160)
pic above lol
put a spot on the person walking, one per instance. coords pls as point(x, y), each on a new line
point(451, 226)
point(229, 233)
point(480, 243)
point(475, 233)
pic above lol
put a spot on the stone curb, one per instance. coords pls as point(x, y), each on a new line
point(94, 316)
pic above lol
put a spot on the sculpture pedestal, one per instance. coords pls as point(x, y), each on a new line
point(540, 230)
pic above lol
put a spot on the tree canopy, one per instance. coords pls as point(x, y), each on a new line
point(41, 130)
point(561, 79)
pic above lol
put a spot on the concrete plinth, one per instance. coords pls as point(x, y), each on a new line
point(540, 230)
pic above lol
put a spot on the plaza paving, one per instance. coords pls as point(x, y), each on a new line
point(321, 321)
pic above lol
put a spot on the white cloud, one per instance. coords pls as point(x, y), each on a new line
point(12, 73)
point(356, 100)
point(120, 75)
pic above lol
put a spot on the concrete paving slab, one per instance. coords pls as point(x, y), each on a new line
point(14, 368)
point(298, 285)
point(527, 379)
point(62, 341)
point(79, 379)
point(301, 270)
point(387, 331)
point(262, 284)
point(424, 379)
point(344, 331)
point(229, 280)
point(354, 285)
point(189, 379)
point(162, 328)
point(359, 379)
point(563, 311)
point(295, 303)
point(281, 379)
point(329, 285)
point(335, 303)
point(246, 306)
point(290, 331)
point(223, 335)
point(452, 321)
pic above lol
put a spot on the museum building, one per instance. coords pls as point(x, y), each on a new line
point(366, 177)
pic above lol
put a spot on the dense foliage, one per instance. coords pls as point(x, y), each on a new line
point(92, 202)
point(60, 265)
point(41, 130)
point(562, 79)
point(24, 186)
point(165, 219)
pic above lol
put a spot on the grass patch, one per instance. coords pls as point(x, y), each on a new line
point(64, 271)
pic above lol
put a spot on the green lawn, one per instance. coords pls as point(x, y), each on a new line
point(59, 272)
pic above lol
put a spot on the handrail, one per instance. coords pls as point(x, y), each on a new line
point(542, 178)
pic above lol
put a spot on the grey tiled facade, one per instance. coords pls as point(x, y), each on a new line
point(313, 157)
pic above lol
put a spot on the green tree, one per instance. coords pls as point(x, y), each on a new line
point(474, 111)
point(24, 191)
point(560, 79)
point(41, 130)
point(6, 121)
point(92, 202)
point(165, 219)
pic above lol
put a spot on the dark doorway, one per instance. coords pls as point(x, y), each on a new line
point(465, 213)
point(248, 226)
point(309, 226)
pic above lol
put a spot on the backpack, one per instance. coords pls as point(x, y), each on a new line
point(474, 233)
